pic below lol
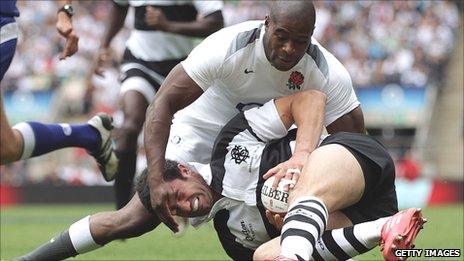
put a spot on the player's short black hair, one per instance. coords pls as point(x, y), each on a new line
point(171, 170)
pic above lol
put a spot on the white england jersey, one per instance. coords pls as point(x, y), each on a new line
point(151, 45)
point(249, 145)
point(231, 67)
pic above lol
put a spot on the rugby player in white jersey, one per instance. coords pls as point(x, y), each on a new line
point(163, 36)
point(245, 64)
point(228, 190)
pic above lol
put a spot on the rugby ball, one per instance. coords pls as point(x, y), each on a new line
point(275, 200)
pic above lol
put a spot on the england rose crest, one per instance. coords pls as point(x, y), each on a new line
point(295, 81)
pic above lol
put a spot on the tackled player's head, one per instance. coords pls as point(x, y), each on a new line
point(194, 196)
point(289, 27)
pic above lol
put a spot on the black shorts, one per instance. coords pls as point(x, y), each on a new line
point(379, 197)
point(153, 72)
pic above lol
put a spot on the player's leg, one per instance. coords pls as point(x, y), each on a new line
point(336, 244)
point(95, 231)
point(394, 232)
point(136, 93)
point(340, 183)
point(94, 136)
point(11, 140)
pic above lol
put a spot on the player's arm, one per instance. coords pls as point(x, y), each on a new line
point(65, 28)
point(306, 109)
point(177, 91)
point(343, 110)
point(201, 27)
point(350, 122)
point(117, 16)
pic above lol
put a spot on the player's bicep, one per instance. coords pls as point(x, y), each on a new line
point(178, 89)
point(284, 109)
point(298, 105)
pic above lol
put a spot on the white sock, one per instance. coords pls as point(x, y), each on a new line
point(344, 243)
point(81, 237)
point(28, 139)
point(369, 232)
point(303, 225)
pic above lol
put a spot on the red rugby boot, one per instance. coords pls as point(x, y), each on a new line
point(400, 231)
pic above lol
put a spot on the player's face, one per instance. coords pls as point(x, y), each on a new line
point(194, 196)
point(286, 41)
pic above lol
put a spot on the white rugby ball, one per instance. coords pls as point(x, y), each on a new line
point(275, 200)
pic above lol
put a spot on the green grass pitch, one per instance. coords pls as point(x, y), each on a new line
point(25, 227)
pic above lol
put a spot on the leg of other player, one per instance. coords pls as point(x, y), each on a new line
point(340, 183)
point(33, 139)
point(335, 243)
point(94, 231)
point(133, 104)
point(11, 140)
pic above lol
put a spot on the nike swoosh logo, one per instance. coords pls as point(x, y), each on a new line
point(247, 71)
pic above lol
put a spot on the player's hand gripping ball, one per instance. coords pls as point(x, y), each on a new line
point(276, 200)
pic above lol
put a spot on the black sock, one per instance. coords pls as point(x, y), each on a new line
point(123, 182)
point(58, 248)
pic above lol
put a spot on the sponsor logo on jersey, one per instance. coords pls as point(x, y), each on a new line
point(239, 154)
point(295, 81)
point(248, 231)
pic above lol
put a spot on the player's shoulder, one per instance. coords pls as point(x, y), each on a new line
point(230, 33)
point(326, 63)
point(227, 41)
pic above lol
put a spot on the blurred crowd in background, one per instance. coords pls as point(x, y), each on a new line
point(403, 42)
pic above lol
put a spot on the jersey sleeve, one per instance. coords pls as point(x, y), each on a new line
point(342, 98)
point(204, 63)
point(265, 122)
point(208, 7)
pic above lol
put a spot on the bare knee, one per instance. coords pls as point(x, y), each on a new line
point(259, 255)
point(268, 250)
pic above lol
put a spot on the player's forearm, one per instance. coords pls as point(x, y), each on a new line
point(308, 110)
point(176, 92)
point(199, 28)
point(117, 15)
point(156, 134)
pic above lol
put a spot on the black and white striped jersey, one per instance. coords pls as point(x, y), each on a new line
point(150, 45)
point(231, 67)
point(249, 145)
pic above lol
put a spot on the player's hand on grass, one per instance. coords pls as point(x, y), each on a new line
point(65, 28)
point(277, 220)
point(155, 18)
point(164, 202)
point(289, 169)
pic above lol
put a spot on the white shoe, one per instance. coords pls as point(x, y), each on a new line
point(105, 156)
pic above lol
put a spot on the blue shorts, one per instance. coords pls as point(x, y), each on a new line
point(8, 40)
